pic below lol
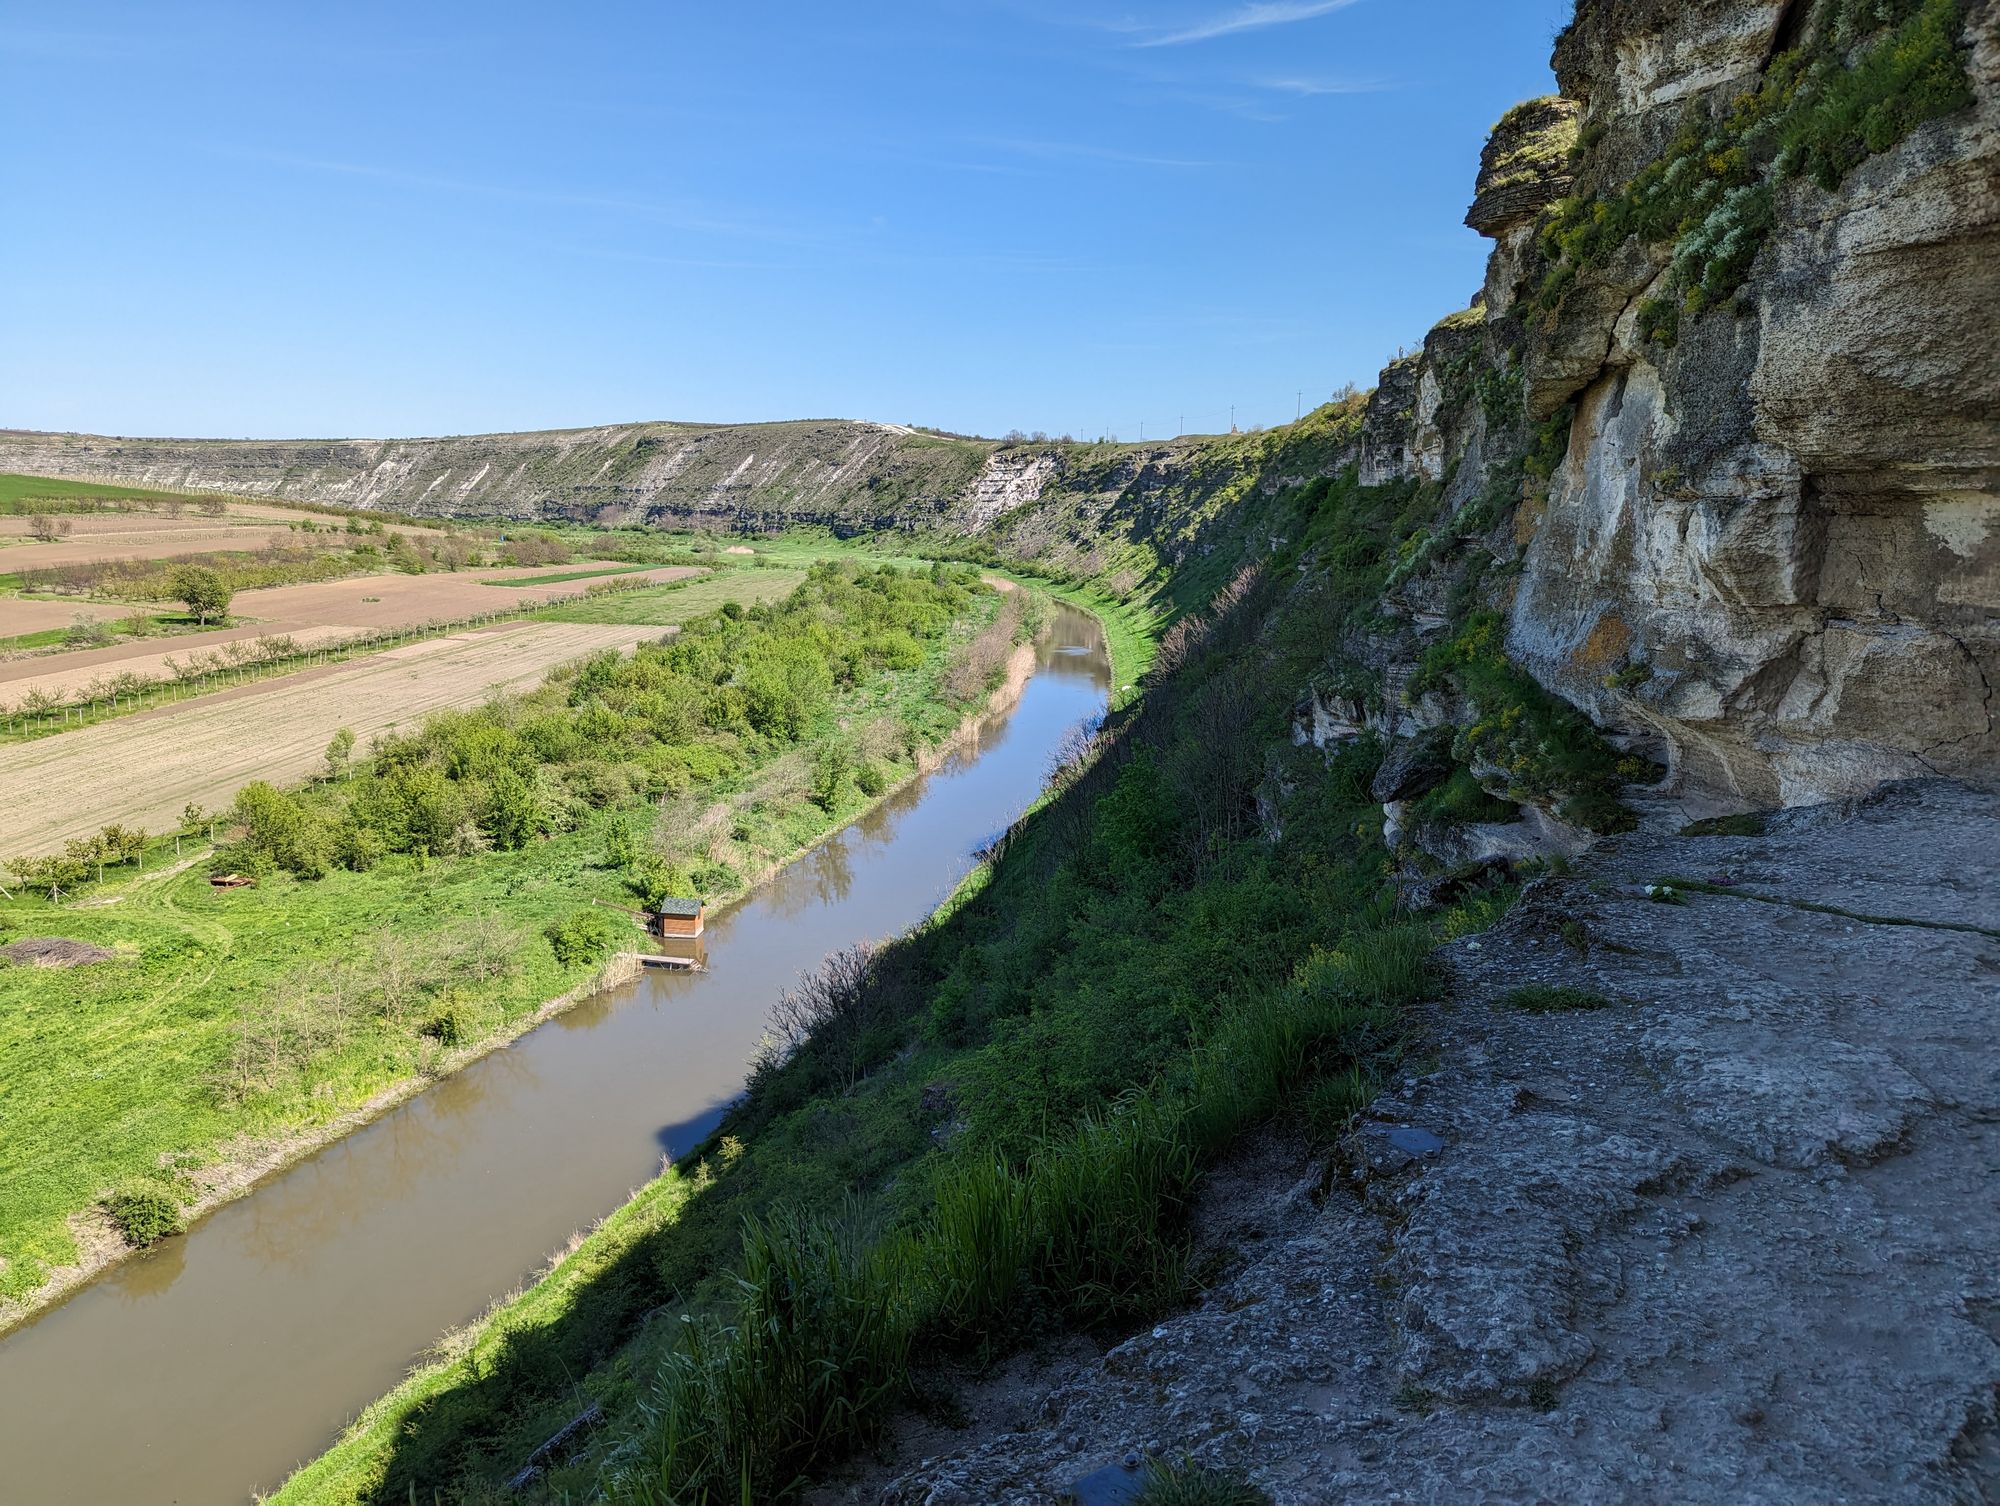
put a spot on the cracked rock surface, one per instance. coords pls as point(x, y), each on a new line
point(1734, 1236)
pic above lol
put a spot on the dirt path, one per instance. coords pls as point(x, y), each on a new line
point(143, 769)
point(1731, 1236)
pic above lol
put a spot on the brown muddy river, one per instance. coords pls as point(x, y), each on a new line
point(211, 1367)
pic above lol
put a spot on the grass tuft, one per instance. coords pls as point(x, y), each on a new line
point(1550, 998)
point(1189, 1484)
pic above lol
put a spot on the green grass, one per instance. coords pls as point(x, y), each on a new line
point(17, 489)
point(104, 1069)
point(560, 576)
point(1549, 998)
point(152, 626)
point(1186, 1484)
point(675, 602)
point(47, 638)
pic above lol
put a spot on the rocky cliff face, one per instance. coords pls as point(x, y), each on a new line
point(1742, 293)
point(1771, 541)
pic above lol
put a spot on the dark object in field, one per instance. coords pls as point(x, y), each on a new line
point(231, 881)
point(54, 951)
point(567, 1434)
point(1114, 1485)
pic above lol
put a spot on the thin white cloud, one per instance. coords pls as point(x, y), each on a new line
point(1092, 153)
point(1314, 87)
point(1254, 17)
point(679, 216)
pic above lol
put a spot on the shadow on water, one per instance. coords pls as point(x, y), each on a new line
point(211, 1367)
point(683, 1135)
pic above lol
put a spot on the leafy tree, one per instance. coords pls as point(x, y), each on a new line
point(655, 880)
point(123, 844)
point(50, 874)
point(583, 936)
point(513, 814)
point(832, 763)
point(293, 835)
point(786, 685)
point(201, 590)
point(339, 752)
point(619, 847)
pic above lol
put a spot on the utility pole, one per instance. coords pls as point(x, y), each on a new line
point(1299, 407)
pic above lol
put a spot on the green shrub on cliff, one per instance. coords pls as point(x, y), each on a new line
point(1873, 72)
point(1546, 749)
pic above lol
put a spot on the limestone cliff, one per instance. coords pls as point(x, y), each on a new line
point(1751, 313)
point(852, 476)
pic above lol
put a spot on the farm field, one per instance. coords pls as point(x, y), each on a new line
point(123, 537)
point(37, 615)
point(316, 613)
point(142, 769)
point(158, 535)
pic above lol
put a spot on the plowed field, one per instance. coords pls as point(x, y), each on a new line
point(143, 769)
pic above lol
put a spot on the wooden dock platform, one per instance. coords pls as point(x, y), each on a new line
point(680, 964)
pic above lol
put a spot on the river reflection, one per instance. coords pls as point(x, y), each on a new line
point(209, 1368)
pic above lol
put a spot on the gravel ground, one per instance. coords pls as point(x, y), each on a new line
point(1732, 1237)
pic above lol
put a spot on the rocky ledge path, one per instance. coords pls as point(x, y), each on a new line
point(1732, 1237)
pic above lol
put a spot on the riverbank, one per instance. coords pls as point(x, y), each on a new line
point(241, 1167)
point(347, 1470)
point(196, 939)
point(286, 1312)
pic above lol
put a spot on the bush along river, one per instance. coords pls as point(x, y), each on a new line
point(210, 1367)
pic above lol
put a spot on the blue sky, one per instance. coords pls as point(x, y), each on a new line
point(387, 219)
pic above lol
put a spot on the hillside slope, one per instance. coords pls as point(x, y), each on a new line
point(848, 475)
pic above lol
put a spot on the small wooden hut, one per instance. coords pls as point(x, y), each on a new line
point(680, 918)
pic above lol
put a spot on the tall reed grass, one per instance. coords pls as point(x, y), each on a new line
point(1092, 1230)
